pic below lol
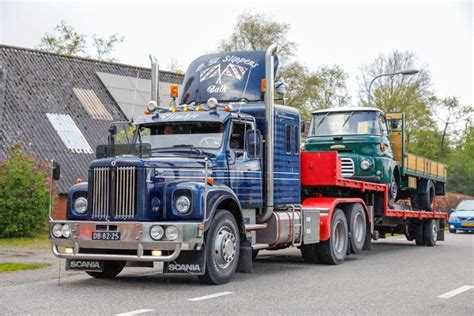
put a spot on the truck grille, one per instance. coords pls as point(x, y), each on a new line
point(347, 167)
point(114, 192)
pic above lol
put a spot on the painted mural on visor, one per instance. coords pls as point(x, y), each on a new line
point(229, 76)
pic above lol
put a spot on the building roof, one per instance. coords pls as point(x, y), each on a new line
point(57, 107)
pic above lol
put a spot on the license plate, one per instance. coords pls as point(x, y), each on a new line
point(467, 224)
point(84, 265)
point(106, 236)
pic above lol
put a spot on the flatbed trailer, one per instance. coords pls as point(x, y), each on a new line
point(325, 188)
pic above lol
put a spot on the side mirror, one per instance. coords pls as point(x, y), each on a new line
point(56, 171)
point(253, 144)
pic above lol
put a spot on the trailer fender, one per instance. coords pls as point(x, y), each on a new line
point(326, 206)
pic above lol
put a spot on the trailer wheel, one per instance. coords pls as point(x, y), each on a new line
point(430, 232)
point(111, 270)
point(410, 231)
point(357, 224)
point(222, 249)
point(419, 235)
point(426, 199)
point(333, 251)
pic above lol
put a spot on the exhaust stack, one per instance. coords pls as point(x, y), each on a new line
point(155, 80)
point(270, 124)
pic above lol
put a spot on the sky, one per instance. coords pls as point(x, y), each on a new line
point(347, 33)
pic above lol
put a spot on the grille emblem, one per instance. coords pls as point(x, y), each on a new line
point(113, 163)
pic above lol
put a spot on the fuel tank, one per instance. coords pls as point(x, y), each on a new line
point(280, 230)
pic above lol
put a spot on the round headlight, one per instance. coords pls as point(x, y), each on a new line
point(80, 205)
point(183, 204)
point(171, 232)
point(364, 164)
point(66, 231)
point(57, 230)
point(156, 232)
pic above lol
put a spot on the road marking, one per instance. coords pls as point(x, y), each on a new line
point(136, 312)
point(457, 291)
point(209, 296)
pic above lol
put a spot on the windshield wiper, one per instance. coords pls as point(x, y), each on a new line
point(347, 119)
point(183, 145)
point(322, 120)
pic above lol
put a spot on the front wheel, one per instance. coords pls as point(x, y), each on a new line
point(334, 250)
point(392, 191)
point(222, 244)
point(111, 270)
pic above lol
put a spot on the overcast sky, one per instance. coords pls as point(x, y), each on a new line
point(327, 32)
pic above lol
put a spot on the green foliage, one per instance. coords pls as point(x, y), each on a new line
point(67, 41)
point(24, 196)
point(461, 164)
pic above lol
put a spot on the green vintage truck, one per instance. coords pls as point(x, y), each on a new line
point(371, 146)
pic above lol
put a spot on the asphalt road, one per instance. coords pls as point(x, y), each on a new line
point(396, 277)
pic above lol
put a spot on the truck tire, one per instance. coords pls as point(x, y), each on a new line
point(357, 225)
point(309, 253)
point(392, 191)
point(415, 201)
point(419, 234)
point(111, 270)
point(426, 199)
point(222, 246)
point(334, 250)
point(430, 232)
point(410, 231)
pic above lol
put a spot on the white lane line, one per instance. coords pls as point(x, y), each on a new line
point(457, 291)
point(201, 298)
point(136, 312)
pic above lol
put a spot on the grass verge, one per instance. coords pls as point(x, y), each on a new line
point(13, 266)
point(41, 242)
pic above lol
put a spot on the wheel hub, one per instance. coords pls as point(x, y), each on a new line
point(225, 247)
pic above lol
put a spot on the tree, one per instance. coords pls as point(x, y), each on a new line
point(307, 90)
point(409, 94)
point(174, 66)
point(66, 41)
point(461, 164)
point(104, 46)
point(257, 32)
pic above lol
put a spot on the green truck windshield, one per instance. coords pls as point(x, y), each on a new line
point(345, 123)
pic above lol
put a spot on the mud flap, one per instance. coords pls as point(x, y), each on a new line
point(440, 236)
point(188, 262)
point(368, 242)
point(245, 259)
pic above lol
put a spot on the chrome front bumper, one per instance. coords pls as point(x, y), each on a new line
point(135, 241)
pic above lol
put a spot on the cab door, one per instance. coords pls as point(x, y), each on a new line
point(245, 173)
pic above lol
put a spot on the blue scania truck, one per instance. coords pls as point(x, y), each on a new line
point(207, 182)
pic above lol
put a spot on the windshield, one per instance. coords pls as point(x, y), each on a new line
point(345, 123)
point(205, 135)
point(467, 205)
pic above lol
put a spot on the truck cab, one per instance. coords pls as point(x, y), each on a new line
point(361, 137)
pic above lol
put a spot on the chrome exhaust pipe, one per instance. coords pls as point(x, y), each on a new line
point(155, 80)
point(270, 124)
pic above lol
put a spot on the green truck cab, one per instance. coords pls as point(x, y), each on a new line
point(371, 147)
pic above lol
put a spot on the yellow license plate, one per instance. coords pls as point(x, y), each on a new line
point(467, 224)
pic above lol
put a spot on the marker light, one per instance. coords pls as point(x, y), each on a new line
point(212, 103)
point(152, 106)
point(198, 108)
point(174, 91)
point(382, 147)
point(263, 85)
point(185, 109)
point(156, 253)
point(68, 250)
point(173, 109)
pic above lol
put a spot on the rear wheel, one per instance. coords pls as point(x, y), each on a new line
point(357, 224)
point(430, 232)
point(222, 249)
point(333, 251)
point(111, 270)
point(426, 199)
